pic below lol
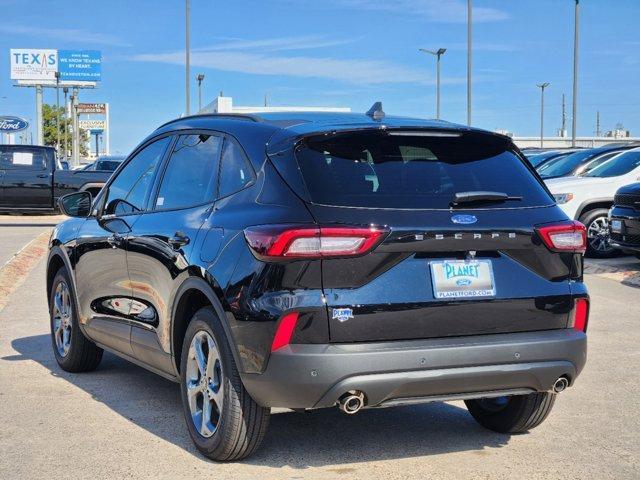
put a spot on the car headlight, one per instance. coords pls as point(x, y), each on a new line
point(563, 197)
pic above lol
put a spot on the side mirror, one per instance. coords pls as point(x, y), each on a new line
point(77, 204)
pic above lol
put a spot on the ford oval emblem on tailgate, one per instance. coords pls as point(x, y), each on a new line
point(464, 219)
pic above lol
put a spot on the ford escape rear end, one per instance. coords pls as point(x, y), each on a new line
point(312, 260)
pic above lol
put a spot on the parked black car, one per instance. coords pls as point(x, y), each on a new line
point(580, 162)
point(307, 260)
point(32, 180)
point(624, 219)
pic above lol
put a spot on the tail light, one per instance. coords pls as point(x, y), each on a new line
point(287, 241)
point(564, 237)
point(284, 332)
point(580, 315)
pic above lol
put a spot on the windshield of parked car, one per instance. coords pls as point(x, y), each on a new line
point(107, 165)
point(536, 160)
point(565, 165)
point(617, 166)
point(410, 170)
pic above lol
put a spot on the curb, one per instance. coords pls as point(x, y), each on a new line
point(15, 271)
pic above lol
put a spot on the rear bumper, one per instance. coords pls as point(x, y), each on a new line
point(315, 376)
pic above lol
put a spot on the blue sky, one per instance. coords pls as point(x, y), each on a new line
point(340, 53)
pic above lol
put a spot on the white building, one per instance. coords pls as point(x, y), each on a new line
point(225, 105)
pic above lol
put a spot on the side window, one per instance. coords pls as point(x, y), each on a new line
point(128, 192)
point(235, 170)
point(191, 174)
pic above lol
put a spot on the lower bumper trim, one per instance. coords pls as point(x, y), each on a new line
point(315, 376)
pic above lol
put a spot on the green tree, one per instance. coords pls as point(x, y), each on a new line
point(50, 115)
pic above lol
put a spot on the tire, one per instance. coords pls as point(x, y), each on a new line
point(598, 245)
point(240, 424)
point(73, 351)
point(515, 414)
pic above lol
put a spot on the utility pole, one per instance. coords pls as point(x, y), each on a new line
point(200, 78)
point(39, 122)
point(58, 113)
point(563, 128)
point(65, 90)
point(438, 53)
point(75, 148)
point(542, 86)
point(598, 123)
point(107, 148)
point(187, 72)
point(469, 8)
point(265, 100)
point(576, 38)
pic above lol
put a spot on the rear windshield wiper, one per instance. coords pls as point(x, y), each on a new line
point(460, 198)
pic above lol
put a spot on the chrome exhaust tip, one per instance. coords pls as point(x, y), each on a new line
point(561, 384)
point(351, 402)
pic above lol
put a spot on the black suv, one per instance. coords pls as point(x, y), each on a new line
point(307, 260)
point(624, 219)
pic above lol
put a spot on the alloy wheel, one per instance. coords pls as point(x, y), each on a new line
point(204, 383)
point(598, 235)
point(62, 318)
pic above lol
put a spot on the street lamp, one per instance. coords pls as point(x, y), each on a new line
point(438, 53)
point(186, 59)
point(542, 86)
point(200, 78)
point(575, 74)
point(57, 74)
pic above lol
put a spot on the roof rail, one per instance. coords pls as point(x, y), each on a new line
point(222, 116)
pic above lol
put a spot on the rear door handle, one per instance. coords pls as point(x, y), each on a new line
point(43, 175)
point(178, 240)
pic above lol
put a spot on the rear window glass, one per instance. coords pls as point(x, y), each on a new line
point(23, 158)
point(409, 170)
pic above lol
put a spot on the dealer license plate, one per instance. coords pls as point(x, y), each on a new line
point(460, 279)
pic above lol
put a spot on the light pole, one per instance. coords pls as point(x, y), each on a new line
point(58, 113)
point(65, 118)
point(542, 86)
point(438, 53)
point(469, 9)
point(200, 78)
point(187, 66)
point(576, 37)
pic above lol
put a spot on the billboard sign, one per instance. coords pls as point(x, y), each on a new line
point(79, 65)
point(93, 125)
point(12, 124)
point(100, 108)
point(33, 64)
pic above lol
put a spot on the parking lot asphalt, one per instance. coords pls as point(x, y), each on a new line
point(124, 422)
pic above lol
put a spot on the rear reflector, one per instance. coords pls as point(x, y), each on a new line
point(581, 315)
point(564, 237)
point(284, 332)
point(287, 241)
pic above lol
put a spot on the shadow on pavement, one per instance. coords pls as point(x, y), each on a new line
point(299, 440)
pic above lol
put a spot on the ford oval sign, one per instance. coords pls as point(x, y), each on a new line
point(12, 124)
point(464, 219)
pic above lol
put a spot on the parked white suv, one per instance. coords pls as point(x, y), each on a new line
point(588, 198)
